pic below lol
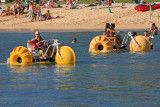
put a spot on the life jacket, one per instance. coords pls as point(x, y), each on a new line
point(35, 45)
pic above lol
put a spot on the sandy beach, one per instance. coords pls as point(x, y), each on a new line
point(86, 19)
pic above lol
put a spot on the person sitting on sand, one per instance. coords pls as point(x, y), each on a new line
point(154, 29)
point(47, 16)
point(6, 11)
point(149, 37)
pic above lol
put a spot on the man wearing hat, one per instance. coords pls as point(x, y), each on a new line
point(35, 40)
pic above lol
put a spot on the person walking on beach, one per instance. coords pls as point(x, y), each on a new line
point(154, 29)
point(38, 10)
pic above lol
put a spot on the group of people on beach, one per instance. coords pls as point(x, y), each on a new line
point(34, 7)
point(45, 3)
point(34, 10)
point(7, 11)
point(110, 32)
point(17, 9)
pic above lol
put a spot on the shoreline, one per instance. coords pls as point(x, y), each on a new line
point(62, 30)
point(71, 28)
point(67, 30)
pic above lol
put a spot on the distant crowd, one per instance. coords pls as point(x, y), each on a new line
point(32, 9)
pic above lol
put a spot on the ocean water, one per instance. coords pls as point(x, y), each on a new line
point(116, 79)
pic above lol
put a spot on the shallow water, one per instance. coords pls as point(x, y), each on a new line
point(113, 79)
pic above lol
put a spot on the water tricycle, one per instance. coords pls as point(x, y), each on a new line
point(101, 43)
point(26, 56)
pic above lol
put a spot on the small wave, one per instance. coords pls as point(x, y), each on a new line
point(3, 63)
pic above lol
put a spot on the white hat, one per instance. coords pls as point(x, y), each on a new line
point(37, 33)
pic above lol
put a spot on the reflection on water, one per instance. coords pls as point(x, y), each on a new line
point(62, 74)
point(65, 68)
point(19, 68)
point(66, 72)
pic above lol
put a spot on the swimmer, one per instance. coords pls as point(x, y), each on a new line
point(74, 40)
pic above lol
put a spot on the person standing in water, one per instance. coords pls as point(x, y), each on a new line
point(154, 29)
point(149, 37)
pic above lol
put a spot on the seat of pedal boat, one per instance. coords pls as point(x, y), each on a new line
point(34, 54)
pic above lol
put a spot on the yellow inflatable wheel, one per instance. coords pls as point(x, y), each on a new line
point(67, 54)
point(20, 56)
point(100, 44)
point(143, 42)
